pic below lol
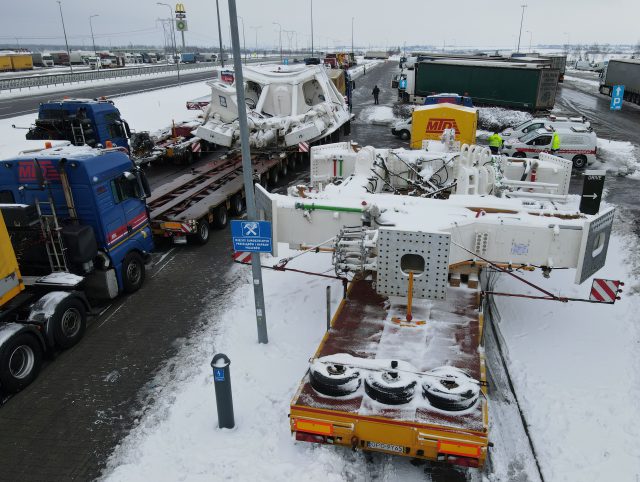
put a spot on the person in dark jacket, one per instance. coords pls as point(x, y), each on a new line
point(376, 93)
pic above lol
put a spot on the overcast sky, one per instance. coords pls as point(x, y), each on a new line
point(380, 23)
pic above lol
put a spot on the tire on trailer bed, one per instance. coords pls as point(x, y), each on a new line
point(20, 362)
point(333, 379)
point(133, 272)
point(390, 387)
point(451, 389)
point(69, 322)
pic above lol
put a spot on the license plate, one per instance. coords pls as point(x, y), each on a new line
point(388, 447)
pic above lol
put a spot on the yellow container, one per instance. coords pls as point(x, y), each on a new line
point(21, 62)
point(337, 77)
point(10, 279)
point(430, 121)
point(5, 63)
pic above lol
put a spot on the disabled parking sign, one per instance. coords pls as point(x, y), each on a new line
point(252, 236)
point(617, 94)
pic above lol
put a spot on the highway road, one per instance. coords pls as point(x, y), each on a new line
point(12, 107)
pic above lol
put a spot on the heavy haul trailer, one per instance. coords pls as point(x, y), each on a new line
point(450, 333)
point(185, 208)
point(405, 377)
point(520, 86)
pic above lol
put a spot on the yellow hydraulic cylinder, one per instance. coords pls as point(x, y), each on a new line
point(10, 280)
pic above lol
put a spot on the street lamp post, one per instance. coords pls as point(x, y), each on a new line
point(244, 43)
point(247, 170)
point(530, 37)
point(311, 28)
point(352, 19)
point(173, 35)
point(521, 20)
point(276, 23)
point(64, 30)
point(93, 40)
point(220, 35)
point(256, 28)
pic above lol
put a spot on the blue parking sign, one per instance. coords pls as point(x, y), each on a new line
point(251, 236)
point(617, 94)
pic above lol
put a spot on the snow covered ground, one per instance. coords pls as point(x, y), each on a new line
point(576, 373)
point(178, 438)
point(377, 115)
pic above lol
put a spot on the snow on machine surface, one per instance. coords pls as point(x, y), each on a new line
point(287, 105)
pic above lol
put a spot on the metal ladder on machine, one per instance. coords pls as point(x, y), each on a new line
point(52, 233)
point(78, 133)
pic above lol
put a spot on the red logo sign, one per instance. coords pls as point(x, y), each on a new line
point(227, 76)
point(439, 125)
point(27, 171)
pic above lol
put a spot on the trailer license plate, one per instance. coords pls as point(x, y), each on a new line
point(388, 447)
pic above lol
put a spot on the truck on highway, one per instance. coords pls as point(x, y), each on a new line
point(376, 54)
point(38, 315)
point(520, 86)
point(42, 59)
point(622, 72)
point(98, 198)
point(188, 58)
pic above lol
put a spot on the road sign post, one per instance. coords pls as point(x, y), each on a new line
point(247, 171)
point(592, 191)
point(617, 95)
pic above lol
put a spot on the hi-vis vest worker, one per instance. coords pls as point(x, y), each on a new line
point(495, 140)
point(555, 142)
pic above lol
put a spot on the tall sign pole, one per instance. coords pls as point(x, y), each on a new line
point(311, 28)
point(521, 20)
point(247, 170)
point(181, 22)
point(220, 35)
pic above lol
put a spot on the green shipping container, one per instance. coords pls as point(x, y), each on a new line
point(490, 83)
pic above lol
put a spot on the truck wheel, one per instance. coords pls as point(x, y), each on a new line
point(20, 362)
point(201, 236)
point(579, 162)
point(220, 217)
point(451, 389)
point(188, 157)
point(69, 322)
point(404, 135)
point(133, 272)
point(237, 204)
point(284, 169)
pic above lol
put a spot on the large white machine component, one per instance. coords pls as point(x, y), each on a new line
point(499, 209)
point(286, 106)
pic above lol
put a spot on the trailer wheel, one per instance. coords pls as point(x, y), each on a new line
point(188, 157)
point(220, 217)
point(20, 361)
point(284, 169)
point(133, 272)
point(579, 162)
point(390, 387)
point(237, 204)
point(69, 322)
point(274, 176)
point(451, 389)
point(201, 236)
point(333, 379)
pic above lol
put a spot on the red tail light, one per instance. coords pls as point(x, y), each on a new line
point(310, 437)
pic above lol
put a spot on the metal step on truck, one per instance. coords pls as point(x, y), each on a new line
point(401, 370)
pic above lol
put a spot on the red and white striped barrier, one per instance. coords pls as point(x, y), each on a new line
point(303, 147)
point(242, 257)
point(604, 290)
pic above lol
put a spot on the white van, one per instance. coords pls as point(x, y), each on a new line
point(578, 144)
point(543, 122)
point(402, 129)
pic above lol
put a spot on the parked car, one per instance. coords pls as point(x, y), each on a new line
point(579, 144)
point(543, 122)
point(402, 129)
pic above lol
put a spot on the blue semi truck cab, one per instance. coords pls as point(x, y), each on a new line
point(99, 199)
point(94, 122)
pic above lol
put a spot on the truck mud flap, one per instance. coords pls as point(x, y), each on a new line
point(595, 243)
